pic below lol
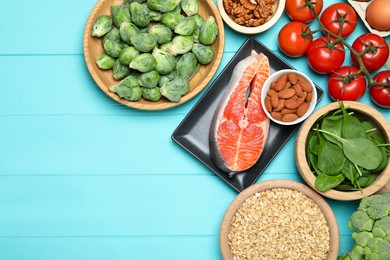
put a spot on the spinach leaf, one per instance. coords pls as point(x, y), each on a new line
point(333, 124)
point(350, 172)
point(366, 181)
point(312, 144)
point(360, 151)
point(330, 158)
point(352, 127)
point(325, 182)
point(345, 187)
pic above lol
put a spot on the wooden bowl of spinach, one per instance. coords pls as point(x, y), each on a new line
point(342, 150)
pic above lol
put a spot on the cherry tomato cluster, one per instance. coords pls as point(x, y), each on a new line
point(326, 54)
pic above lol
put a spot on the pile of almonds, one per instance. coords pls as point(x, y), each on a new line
point(289, 97)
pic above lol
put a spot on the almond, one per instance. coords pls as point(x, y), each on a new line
point(286, 93)
point(295, 102)
point(292, 77)
point(276, 115)
point(274, 100)
point(309, 97)
point(280, 106)
point(272, 85)
point(302, 109)
point(280, 83)
point(305, 85)
point(267, 103)
point(298, 90)
point(271, 92)
point(287, 111)
point(289, 117)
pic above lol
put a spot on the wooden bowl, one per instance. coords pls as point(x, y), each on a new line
point(300, 150)
point(93, 47)
point(278, 11)
point(267, 185)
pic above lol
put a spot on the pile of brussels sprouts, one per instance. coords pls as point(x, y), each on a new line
point(154, 47)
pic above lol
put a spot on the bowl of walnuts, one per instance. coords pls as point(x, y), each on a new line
point(251, 16)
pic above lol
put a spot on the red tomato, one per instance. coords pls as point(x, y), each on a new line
point(294, 39)
point(299, 11)
point(332, 16)
point(373, 49)
point(325, 56)
point(346, 84)
point(380, 94)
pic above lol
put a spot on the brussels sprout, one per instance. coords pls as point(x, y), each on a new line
point(120, 71)
point(105, 62)
point(190, 7)
point(165, 62)
point(204, 54)
point(139, 14)
point(208, 31)
point(130, 82)
point(149, 79)
point(144, 29)
point(144, 42)
point(164, 47)
point(187, 65)
point(102, 26)
point(113, 35)
point(152, 94)
point(180, 45)
point(144, 62)
point(174, 89)
point(162, 33)
point(128, 89)
point(112, 48)
point(132, 94)
point(199, 22)
point(171, 19)
point(128, 30)
point(127, 55)
point(163, 5)
point(155, 16)
point(186, 26)
point(120, 14)
point(166, 78)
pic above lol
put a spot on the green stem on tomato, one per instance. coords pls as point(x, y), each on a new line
point(338, 38)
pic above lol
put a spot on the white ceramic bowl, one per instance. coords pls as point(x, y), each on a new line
point(278, 11)
point(273, 77)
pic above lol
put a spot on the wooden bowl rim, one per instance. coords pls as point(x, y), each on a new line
point(252, 30)
point(159, 105)
point(300, 151)
point(334, 242)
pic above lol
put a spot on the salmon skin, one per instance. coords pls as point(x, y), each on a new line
point(240, 127)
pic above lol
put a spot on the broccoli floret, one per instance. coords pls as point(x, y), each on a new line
point(362, 238)
point(376, 206)
point(360, 221)
point(372, 225)
point(377, 248)
point(382, 227)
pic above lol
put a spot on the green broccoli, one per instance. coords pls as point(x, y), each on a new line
point(371, 222)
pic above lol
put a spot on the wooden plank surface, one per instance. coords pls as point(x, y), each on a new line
point(83, 177)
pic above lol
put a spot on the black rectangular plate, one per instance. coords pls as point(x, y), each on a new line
point(193, 132)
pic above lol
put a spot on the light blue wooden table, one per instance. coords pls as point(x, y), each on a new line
point(83, 177)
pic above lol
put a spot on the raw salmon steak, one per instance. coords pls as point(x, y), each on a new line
point(240, 127)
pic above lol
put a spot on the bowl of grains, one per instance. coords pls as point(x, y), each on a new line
point(279, 219)
point(251, 16)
